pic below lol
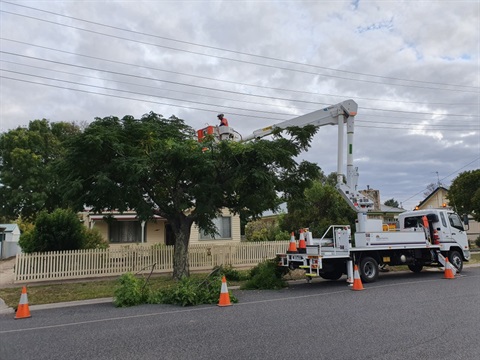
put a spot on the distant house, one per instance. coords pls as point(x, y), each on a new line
point(9, 237)
point(125, 228)
point(437, 199)
point(387, 214)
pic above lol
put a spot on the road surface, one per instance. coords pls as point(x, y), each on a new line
point(402, 316)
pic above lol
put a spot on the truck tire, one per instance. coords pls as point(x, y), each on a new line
point(416, 268)
point(368, 269)
point(456, 260)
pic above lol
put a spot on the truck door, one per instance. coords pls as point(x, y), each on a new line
point(455, 231)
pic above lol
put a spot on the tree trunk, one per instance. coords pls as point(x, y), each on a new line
point(181, 266)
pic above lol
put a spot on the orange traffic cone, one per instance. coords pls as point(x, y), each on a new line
point(292, 248)
point(357, 282)
point(23, 311)
point(448, 270)
point(224, 295)
point(302, 245)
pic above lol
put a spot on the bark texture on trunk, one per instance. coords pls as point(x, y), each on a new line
point(181, 266)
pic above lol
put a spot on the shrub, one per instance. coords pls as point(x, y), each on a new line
point(93, 239)
point(130, 291)
point(477, 241)
point(190, 291)
point(26, 242)
point(60, 230)
point(232, 274)
point(266, 275)
point(261, 230)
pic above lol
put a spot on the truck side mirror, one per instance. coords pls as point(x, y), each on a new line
point(465, 221)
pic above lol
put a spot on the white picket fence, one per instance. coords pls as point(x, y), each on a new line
point(83, 264)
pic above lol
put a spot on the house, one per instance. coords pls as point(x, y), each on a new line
point(387, 214)
point(125, 228)
point(437, 199)
point(9, 237)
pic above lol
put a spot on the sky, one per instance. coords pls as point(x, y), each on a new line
point(413, 68)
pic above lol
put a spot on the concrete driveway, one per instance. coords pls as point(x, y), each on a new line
point(6, 272)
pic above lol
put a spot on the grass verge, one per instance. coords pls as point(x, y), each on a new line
point(94, 289)
point(71, 291)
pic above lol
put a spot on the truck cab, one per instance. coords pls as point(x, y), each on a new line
point(445, 228)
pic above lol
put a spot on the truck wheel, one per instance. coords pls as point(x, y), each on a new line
point(456, 260)
point(331, 275)
point(368, 269)
point(416, 268)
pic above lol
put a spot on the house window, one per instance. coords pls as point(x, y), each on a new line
point(224, 228)
point(125, 232)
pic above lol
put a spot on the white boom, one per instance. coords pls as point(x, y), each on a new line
point(338, 114)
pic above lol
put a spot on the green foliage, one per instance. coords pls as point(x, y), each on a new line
point(191, 291)
point(232, 274)
point(477, 241)
point(464, 193)
point(266, 275)
point(93, 239)
point(130, 291)
point(155, 166)
point(25, 226)
point(60, 230)
point(262, 230)
point(27, 242)
point(28, 168)
point(392, 203)
point(321, 207)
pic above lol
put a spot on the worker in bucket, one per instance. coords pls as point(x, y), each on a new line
point(223, 120)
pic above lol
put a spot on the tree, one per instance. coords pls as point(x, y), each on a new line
point(265, 230)
point(464, 193)
point(392, 203)
point(320, 207)
point(60, 230)
point(429, 189)
point(27, 168)
point(155, 166)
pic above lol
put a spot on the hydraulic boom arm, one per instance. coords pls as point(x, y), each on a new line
point(338, 114)
point(327, 116)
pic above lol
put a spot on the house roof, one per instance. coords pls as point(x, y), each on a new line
point(432, 194)
point(390, 209)
point(118, 217)
point(282, 209)
point(8, 227)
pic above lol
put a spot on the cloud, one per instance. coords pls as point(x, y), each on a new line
point(413, 68)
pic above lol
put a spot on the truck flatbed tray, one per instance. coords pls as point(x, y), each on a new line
point(394, 247)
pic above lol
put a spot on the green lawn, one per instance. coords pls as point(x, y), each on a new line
point(71, 291)
point(93, 289)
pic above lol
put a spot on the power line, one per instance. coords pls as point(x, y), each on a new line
point(137, 93)
point(204, 87)
point(207, 78)
point(453, 173)
point(435, 126)
point(173, 105)
point(218, 48)
point(127, 98)
point(243, 61)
